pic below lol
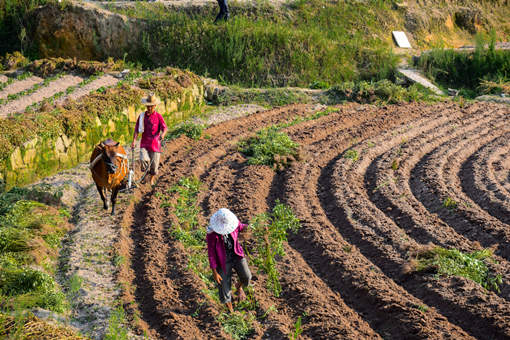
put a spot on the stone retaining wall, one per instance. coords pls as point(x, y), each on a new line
point(41, 157)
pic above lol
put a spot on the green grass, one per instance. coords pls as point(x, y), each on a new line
point(468, 71)
point(270, 231)
point(267, 146)
point(308, 42)
point(452, 262)
point(30, 235)
point(116, 328)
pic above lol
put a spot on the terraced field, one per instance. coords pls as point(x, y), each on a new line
point(362, 217)
point(18, 95)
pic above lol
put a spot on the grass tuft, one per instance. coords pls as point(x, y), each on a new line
point(453, 262)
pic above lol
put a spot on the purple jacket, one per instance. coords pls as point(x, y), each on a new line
point(216, 247)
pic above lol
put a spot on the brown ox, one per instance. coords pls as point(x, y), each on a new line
point(109, 166)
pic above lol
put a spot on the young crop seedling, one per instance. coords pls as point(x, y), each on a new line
point(352, 155)
point(270, 230)
point(191, 130)
point(449, 204)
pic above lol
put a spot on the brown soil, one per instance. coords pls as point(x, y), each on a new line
point(104, 81)
point(345, 269)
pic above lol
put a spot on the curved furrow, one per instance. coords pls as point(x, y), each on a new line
point(382, 241)
point(500, 169)
point(397, 202)
point(435, 179)
point(389, 309)
point(386, 179)
point(327, 315)
point(157, 257)
point(220, 180)
point(479, 182)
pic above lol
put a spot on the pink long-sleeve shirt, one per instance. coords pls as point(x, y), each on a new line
point(216, 247)
point(153, 124)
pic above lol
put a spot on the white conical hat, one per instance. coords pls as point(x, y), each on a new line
point(223, 222)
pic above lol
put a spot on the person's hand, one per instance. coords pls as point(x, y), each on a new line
point(217, 277)
point(133, 145)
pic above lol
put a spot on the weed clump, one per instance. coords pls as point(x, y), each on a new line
point(192, 130)
point(270, 147)
point(239, 324)
point(453, 262)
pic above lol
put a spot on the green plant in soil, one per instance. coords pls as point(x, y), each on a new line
point(268, 146)
point(351, 154)
point(192, 130)
point(297, 330)
point(453, 262)
point(450, 204)
point(238, 324)
point(116, 325)
point(270, 231)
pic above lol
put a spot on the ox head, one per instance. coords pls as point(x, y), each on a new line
point(110, 151)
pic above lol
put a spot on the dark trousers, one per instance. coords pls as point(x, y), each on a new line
point(241, 267)
point(223, 8)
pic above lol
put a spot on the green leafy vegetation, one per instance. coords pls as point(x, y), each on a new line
point(453, 262)
point(352, 154)
point(471, 72)
point(263, 46)
point(268, 147)
point(239, 324)
point(380, 92)
point(192, 130)
point(270, 230)
point(297, 330)
point(450, 204)
point(116, 325)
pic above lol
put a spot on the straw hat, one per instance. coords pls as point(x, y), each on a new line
point(223, 222)
point(150, 100)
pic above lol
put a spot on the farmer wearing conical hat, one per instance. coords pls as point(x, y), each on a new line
point(153, 128)
point(225, 254)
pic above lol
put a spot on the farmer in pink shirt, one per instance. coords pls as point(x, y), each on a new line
point(225, 254)
point(153, 129)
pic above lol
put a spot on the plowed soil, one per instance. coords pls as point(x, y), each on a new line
point(344, 272)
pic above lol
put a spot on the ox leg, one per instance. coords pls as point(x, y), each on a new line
point(101, 193)
point(115, 191)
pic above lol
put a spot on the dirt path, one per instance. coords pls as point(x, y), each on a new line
point(344, 270)
point(19, 105)
point(3, 78)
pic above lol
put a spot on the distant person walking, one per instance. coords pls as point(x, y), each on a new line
point(153, 128)
point(225, 254)
point(224, 13)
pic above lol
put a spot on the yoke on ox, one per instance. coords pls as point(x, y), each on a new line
point(109, 167)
